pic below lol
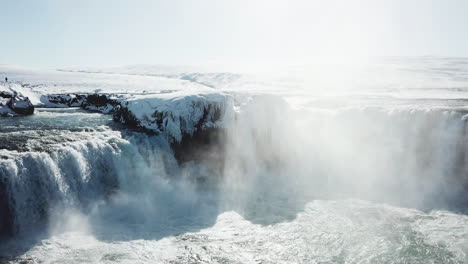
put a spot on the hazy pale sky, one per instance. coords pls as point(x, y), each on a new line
point(52, 33)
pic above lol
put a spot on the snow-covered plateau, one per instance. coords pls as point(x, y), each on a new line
point(326, 163)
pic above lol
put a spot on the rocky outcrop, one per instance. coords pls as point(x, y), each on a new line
point(192, 124)
point(15, 104)
point(4, 94)
point(100, 102)
point(21, 105)
point(173, 117)
point(104, 103)
point(63, 100)
point(123, 115)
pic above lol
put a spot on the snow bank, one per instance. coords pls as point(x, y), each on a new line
point(43, 82)
point(14, 103)
point(177, 113)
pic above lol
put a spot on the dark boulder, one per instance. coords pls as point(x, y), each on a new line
point(4, 94)
point(21, 105)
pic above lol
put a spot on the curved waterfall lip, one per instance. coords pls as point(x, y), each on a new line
point(52, 128)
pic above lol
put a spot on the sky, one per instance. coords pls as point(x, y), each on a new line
point(57, 33)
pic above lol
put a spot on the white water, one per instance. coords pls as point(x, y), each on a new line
point(351, 185)
point(343, 231)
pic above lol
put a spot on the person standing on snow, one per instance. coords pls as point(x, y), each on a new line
point(6, 79)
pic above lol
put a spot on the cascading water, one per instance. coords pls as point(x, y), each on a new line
point(89, 167)
point(282, 194)
point(406, 156)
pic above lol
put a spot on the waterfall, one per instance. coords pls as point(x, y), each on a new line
point(276, 159)
point(75, 175)
point(407, 156)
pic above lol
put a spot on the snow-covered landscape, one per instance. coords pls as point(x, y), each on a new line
point(229, 132)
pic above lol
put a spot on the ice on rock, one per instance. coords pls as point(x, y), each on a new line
point(178, 113)
point(14, 103)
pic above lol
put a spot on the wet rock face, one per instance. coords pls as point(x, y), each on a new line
point(21, 105)
point(100, 102)
point(205, 146)
point(6, 216)
point(123, 115)
point(66, 100)
point(201, 143)
point(94, 102)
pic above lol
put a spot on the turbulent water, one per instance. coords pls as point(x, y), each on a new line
point(375, 184)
